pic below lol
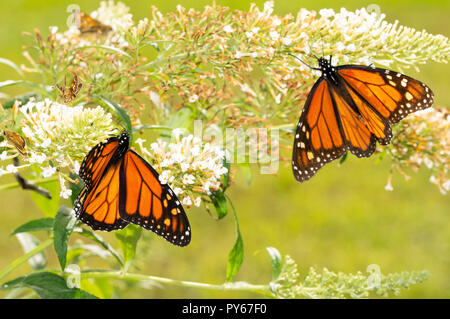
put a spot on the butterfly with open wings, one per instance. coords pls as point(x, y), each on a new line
point(121, 188)
point(350, 108)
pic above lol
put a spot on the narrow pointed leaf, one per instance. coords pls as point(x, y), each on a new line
point(35, 225)
point(65, 222)
point(48, 286)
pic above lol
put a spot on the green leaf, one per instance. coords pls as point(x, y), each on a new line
point(107, 47)
point(138, 128)
point(75, 187)
point(48, 206)
point(120, 112)
point(12, 65)
point(220, 203)
point(22, 98)
point(27, 84)
point(128, 239)
point(226, 177)
point(34, 225)
point(236, 255)
point(343, 158)
point(28, 243)
point(275, 257)
point(181, 119)
point(65, 221)
point(48, 286)
point(247, 170)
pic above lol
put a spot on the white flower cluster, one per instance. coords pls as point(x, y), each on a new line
point(428, 143)
point(190, 167)
point(115, 15)
point(55, 131)
point(58, 136)
point(359, 37)
point(439, 120)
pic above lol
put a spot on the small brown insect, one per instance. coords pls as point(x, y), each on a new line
point(89, 25)
point(71, 92)
point(15, 140)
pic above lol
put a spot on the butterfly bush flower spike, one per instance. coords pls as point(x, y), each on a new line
point(58, 136)
point(193, 169)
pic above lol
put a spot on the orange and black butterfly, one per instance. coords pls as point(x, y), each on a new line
point(70, 93)
point(121, 187)
point(350, 108)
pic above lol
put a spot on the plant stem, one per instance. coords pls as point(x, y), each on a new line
point(35, 182)
point(242, 286)
point(19, 261)
point(175, 57)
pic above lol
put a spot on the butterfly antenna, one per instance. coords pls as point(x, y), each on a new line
point(304, 61)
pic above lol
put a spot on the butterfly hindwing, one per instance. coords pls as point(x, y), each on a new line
point(97, 205)
point(393, 95)
point(150, 204)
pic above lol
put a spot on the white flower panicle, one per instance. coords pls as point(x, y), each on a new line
point(58, 137)
point(427, 143)
point(193, 169)
point(116, 15)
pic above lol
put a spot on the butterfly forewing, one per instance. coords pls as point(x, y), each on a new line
point(97, 205)
point(318, 139)
point(351, 107)
point(150, 204)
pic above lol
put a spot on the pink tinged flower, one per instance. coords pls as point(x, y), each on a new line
point(193, 98)
point(197, 201)
point(48, 171)
point(274, 35)
point(11, 168)
point(184, 167)
point(188, 179)
point(164, 177)
point(187, 201)
point(228, 29)
point(178, 191)
point(65, 193)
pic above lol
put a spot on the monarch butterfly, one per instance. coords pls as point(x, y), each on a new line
point(349, 108)
point(121, 187)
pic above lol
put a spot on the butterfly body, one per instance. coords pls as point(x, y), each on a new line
point(122, 188)
point(70, 93)
point(350, 108)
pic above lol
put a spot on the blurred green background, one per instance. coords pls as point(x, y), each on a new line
point(342, 219)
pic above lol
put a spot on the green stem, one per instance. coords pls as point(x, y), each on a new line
point(19, 261)
point(241, 286)
point(36, 182)
point(175, 57)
